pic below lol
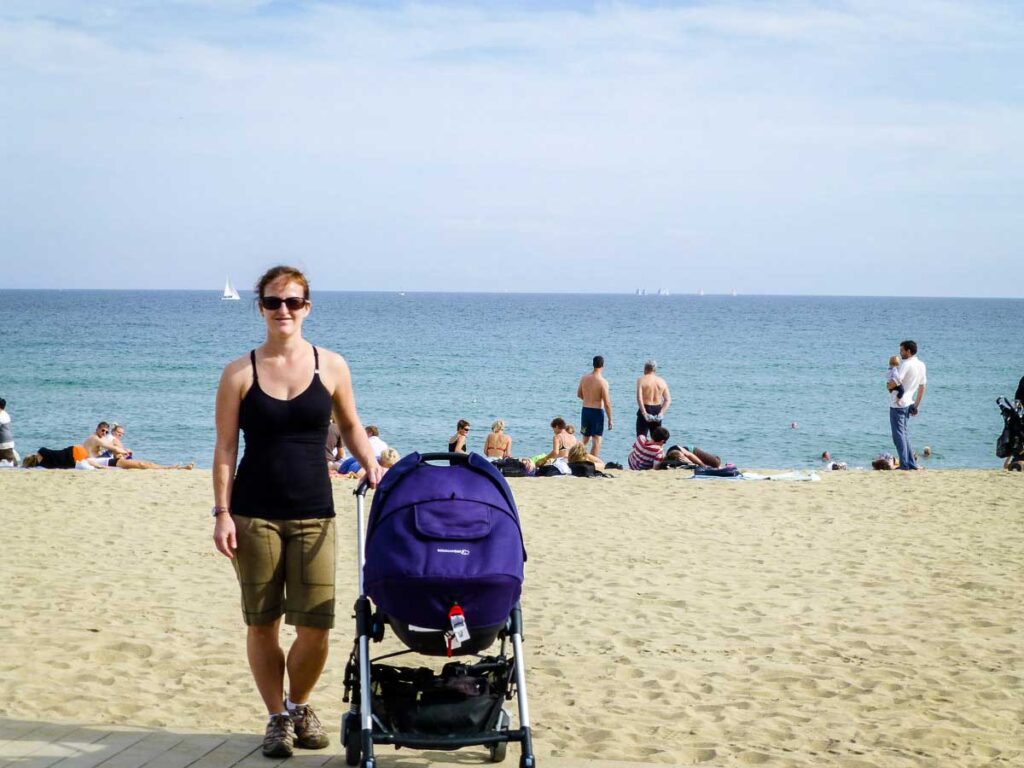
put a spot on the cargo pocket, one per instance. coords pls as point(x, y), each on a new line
point(258, 556)
point(319, 557)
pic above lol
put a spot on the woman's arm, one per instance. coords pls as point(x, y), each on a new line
point(225, 455)
point(507, 450)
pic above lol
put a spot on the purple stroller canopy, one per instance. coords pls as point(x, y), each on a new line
point(440, 536)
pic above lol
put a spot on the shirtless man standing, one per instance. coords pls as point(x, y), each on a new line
point(593, 391)
point(100, 441)
point(652, 399)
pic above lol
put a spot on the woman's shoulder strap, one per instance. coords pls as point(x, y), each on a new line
point(316, 360)
point(252, 359)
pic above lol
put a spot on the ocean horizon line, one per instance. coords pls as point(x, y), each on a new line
point(422, 292)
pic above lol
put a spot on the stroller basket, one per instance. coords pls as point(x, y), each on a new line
point(463, 700)
point(442, 562)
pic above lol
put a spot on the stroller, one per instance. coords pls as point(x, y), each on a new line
point(442, 561)
point(1010, 444)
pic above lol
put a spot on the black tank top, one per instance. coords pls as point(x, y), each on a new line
point(283, 475)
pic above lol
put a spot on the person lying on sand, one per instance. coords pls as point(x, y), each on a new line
point(886, 461)
point(77, 457)
point(681, 453)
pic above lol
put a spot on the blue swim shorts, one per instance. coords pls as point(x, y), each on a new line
point(592, 422)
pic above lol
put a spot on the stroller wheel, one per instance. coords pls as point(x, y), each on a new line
point(350, 738)
point(497, 751)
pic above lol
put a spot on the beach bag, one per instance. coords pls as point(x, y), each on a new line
point(582, 469)
point(585, 469)
point(716, 472)
point(510, 467)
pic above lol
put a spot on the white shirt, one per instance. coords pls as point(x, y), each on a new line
point(5, 418)
point(378, 445)
point(913, 374)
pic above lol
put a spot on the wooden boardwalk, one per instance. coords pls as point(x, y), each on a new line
point(35, 744)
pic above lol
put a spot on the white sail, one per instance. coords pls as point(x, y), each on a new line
point(230, 294)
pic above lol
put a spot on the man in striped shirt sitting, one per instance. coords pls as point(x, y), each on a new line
point(648, 451)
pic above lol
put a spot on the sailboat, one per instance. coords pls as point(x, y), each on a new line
point(230, 294)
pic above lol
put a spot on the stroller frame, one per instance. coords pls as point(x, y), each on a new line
point(368, 627)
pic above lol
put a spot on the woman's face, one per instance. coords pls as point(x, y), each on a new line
point(283, 320)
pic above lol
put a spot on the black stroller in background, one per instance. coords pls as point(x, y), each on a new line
point(1010, 444)
point(443, 564)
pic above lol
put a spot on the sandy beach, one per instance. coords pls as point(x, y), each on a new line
point(871, 619)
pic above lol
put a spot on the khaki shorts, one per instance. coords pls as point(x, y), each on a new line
point(286, 567)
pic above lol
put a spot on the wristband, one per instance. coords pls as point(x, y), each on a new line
point(214, 511)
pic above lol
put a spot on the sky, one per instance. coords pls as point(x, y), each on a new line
point(865, 147)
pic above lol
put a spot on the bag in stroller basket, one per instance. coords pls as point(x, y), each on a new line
point(443, 564)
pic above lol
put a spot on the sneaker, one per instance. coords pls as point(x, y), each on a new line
point(309, 733)
point(279, 739)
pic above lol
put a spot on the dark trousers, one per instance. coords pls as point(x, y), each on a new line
point(643, 426)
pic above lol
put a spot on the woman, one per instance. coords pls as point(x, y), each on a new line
point(560, 444)
point(579, 453)
point(275, 517)
point(457, 442)
point(498, 445)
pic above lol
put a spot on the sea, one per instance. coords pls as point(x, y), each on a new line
point(763, 381)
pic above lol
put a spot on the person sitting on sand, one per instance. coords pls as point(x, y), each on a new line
point(560, 444)
point(77, 457)
point(579, 453)
point(376, 442)
point(457, 442)
point(350, 464)
point(116, 437)
point(648, 451)
point(334, 447)
point(100, 442)
point(498, 445)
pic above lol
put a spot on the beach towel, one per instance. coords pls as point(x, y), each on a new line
point(807, 477)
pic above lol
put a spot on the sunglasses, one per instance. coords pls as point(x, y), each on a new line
point(294, 303)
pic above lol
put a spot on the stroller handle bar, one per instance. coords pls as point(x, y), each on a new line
point(451, 458)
